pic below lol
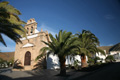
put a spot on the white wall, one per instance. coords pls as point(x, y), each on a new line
point(114, 52)
point(71, 61)
point(116, 55)
point(101, 56)
point(53, 61)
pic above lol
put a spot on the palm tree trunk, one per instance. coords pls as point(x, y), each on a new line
point(83, 61)
point(62, 66)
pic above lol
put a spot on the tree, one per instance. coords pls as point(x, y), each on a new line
point(88, 43)
point(10, 23)
point(62, 45)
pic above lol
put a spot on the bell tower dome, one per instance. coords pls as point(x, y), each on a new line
point(31, 26)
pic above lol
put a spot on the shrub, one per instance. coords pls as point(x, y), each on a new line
point(110, 58)
point(11, 62)
point(98, 63)
point(3, 63)
point(96, 59)
point(76, 66)
point(91, 61)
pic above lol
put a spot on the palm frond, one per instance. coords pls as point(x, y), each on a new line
point(10, 24)
point(1, 40)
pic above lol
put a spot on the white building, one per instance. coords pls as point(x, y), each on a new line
point(110, 50)
point(106, 50)
point(53, 61)
point(115, 51)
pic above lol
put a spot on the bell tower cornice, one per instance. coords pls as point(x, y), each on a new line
point(31, 21)
point(31, 26)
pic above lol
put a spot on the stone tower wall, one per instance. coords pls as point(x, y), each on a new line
point(20, 51)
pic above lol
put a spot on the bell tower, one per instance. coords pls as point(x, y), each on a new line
point(31, 26)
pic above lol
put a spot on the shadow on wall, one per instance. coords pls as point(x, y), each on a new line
point(52, 62)
point(41, 64)
point(17, 65)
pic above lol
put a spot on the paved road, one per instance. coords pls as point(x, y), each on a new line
point(39, 75)
point(6, 70)
point(111, 72)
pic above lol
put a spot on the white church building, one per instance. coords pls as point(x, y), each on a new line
point(27, 51)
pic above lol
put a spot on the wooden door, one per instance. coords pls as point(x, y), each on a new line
point(27, 58)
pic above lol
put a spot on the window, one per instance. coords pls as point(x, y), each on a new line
point(31, 29)
point(30, 20)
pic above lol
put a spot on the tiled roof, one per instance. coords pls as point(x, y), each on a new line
point(115, 47)
point(7, 55)
point(107, 48)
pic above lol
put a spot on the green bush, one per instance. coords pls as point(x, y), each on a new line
point(91, 61)
point(76, 66)
point(11, 62)
point(110, 58)
point(98, 63)
point(96, 59)
point(4, 63)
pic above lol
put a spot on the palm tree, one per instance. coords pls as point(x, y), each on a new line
point(61, 45)
point(10, 23)
point(88, 43)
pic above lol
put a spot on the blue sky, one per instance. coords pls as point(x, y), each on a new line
point(101, 17)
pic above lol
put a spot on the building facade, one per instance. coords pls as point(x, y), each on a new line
point(106, 50)
point(110, 50)
point(27, 51)
point(115, 51)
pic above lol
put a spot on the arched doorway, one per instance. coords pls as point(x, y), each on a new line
point(27, 60)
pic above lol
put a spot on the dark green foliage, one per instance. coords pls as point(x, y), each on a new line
point(11, 62)
point(10, 23)
point(76, 66)
point(96, 59)
point(1, 60)
point(91, 61)
point(61, 45)
point(109, 58)
point(98, 63)
point(4, 63)
point(40, 56)
point(88, 43)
